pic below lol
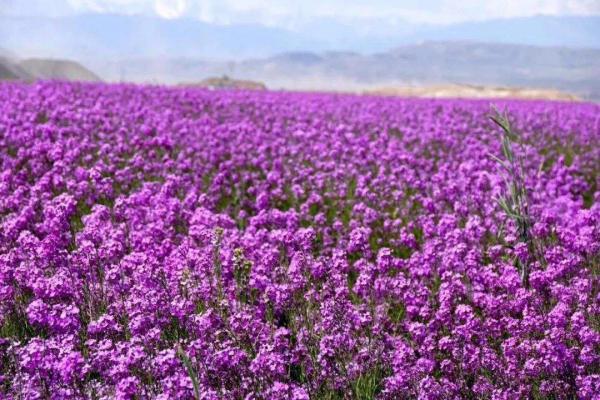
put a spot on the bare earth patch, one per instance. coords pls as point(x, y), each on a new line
point(226, 82)
point(472, 91)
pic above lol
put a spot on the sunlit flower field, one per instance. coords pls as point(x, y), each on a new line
point(178, 243)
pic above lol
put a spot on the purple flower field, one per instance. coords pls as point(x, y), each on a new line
point(181, 243)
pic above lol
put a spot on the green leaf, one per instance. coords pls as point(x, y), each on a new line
point(190, 371)
point(499, 161)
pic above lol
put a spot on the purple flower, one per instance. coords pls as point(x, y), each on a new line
point(161, 242)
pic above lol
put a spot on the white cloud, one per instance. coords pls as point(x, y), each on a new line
point(291, 12)
point(110, 6)
point(481, 10)
point(170, 8)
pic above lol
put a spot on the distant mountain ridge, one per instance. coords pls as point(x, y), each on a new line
point(559, 53)
point(58, 69)
point(569, 70)
point(554, 52)
point(37, 68)
point(9, 70)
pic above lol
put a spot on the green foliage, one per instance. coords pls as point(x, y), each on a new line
point(369, 384)
point(15, 324)
point(396, 133)
point(41, 118)
point(396, 312)
point(190, 371)
point(514, 201)
point(174, 331)
point(242, 268)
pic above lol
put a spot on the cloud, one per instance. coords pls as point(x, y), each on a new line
point(291, 12)
point(170, 9)
point(481, 10)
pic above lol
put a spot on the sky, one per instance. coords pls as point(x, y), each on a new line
point(290, 13)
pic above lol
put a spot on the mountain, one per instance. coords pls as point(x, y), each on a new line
point(561, 53)
point(94, 37)
point(5, 53)
point(435, 62)
point(570, 70)
point(32, 69)
point(9, 70)
point(57, 69)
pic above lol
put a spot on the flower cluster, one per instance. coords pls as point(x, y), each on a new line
point(182, 243)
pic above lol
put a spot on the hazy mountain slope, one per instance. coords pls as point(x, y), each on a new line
point(5, 53)
point(6, 72)
point(32, 69)
point(574, 71)
point(58, 69)
point(9, 70)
